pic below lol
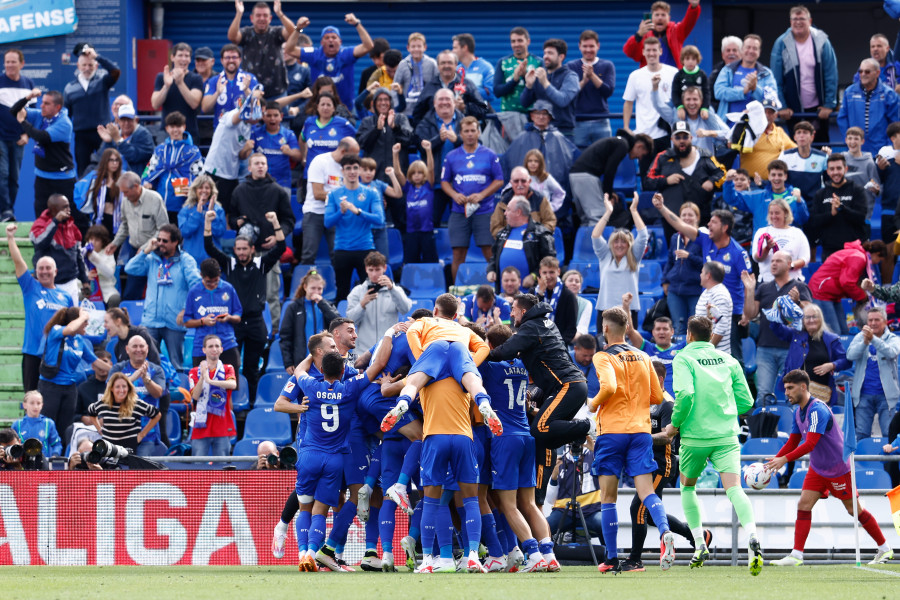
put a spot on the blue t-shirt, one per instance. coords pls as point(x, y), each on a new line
point(513, 253)
point(158, 377)
point(324, 137)
point(590, 373)
point(820, 424)
point(202, 302)
point(232, 97)
point(872, 381)
point(331, 406)
point(506, 382)
point(40, 305)
point(270, 144)
point(472, 173)
point(665, 357)
point(75, 349)
point(473, 313)
point(737, 81)
point(338, 67)
point(735, 260)
point(419, 207)
point(351, 231)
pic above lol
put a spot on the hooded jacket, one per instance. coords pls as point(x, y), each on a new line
point(559, 153)
point(163, 302)
point(377, 143)
point(62, 243)
point(786, 69)
point(173, 159)
point(540, 346)
point(689, 189)
point(253, 198)
point(840, 274)
point(675, 36)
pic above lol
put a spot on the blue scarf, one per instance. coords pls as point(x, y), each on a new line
point(553, 300)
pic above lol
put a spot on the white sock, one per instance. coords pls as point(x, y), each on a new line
point(535, 556)
point(697, 532)
point(797, 554)
point(884, 547)
point(281, 527)
point(400, 486)
point(548, 557)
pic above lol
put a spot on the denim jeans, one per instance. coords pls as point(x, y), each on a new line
point(211, 446)
point(870, 406)
point(835, 317)
point(769, 363)
point(681, 308)
point(174, 343)
point(10, 163)
point(588, 132)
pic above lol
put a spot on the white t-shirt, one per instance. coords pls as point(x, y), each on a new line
point(327, 171)
point(638, 90)
point(228, 139)
point(719, 313)
point(791, 240)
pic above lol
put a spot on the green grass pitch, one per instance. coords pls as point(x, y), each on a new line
point(274, 583)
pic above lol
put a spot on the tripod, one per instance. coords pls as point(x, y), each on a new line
point(575, 506)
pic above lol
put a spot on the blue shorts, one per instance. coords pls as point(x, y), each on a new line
point(512, 462)
point(319, 475)
point(634, 451)
point(356, 462)
point(483, 441)
point(442, 359)
point(447, 457)
point(371, 409)
point(393, 450)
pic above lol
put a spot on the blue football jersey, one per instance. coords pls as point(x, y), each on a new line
point(506, 382)
point(331, 406)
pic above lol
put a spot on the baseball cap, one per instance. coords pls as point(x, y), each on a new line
point(681, 127)
point(770, 104)
point(331, 29)
point(126, 111)
point(204, 53)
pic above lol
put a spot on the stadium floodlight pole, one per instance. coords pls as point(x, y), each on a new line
point(855, 505)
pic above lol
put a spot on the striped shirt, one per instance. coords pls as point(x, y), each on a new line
point(123, 432)
point(719, 313)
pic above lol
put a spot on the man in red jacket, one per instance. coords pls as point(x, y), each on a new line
point(671, 35)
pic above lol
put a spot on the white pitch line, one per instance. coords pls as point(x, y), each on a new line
point(891, 573)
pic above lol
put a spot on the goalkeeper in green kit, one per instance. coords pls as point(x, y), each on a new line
point(710, 393)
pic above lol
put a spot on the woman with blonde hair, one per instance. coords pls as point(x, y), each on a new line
point(620, 259)
point(117, 415)
point(780, 236)
point(202, 197)
point(97, 194)
point(307, 314)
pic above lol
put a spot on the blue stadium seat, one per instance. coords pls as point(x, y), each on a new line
point(173, 427)
point(559, 245)
point(181, 380)
point(870, 445)
point(326, 271)
point(767, 446)
point(796, 480)
point(245, 448)
point(423, 280)
point(227, 241)
point(269, 387)
point(749, 350)
point(811, 268)
point(342, 308)
point(135, 309)
point(442, 242)
point(418, 303)
point(474, 254)
point(650, 278)
point(266, 424)
point(873, 480)
point(323, 256)
point(590, 273)
point(646, 303)
point(233, 439)
point(240, 398)
point(660, 250)
point(267, 319)
point(626, 176)
point(583, 250)
point(592, 326)
point(472, 273)
point(395, 246)
point(275, 360)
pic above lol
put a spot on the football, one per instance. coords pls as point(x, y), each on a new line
point(756, 476)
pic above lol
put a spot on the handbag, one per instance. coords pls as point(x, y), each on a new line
point(51, 371)
point(822, 392)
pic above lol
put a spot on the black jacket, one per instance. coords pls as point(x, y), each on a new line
point(566, 317)
point(293, 328)
point(538, 343)
point(603, 157)
point(253, 198)
point(689, 189)
point(847, 225)
point(475, 104)
point(249, 280)
point(378, 144)
point(537, 242)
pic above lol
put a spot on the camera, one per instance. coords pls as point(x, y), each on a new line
point(15, 452)
point(376, 287)
point(103, 449)
point(287, 460)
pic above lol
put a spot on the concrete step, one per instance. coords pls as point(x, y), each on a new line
point(10, 410)
point(12, 299)
point(11, 335)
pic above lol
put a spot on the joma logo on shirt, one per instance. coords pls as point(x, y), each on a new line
point(630, 358)
point(711, 362)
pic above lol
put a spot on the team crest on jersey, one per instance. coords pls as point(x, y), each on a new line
point(361, 196)
point(548, 322)
point(727, 257)
point(470, 165)
point(329, 67)
point(332, 132)
point(282, 141)
point(814, 165)
point(225, 296)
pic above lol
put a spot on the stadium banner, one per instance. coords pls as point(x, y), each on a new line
point(151, 518)
point(33, 19)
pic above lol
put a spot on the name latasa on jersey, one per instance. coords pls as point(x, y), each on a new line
point(506, 382)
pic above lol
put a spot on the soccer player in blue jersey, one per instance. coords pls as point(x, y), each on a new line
point(512, 456)
point(278, 143)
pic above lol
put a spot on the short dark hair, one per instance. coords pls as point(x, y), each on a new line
point(715, 269)
point(836, 157)
point(207, 338)
point(315, 340)
point(467, 40)
point(210, 268)
point(616, 316)
point(796, 376)
point(586, 341)
point(485, 292)
point(350, 159)
point(646, 140)
point(805, 126)
point(658, 367)
point(54, 96)
point(273, 105)
point(514, 31)
point(559, 45)
point(375, 259)
point(526, 301)
point(392, 57)
point(173, 232)
point(332, 365)
point(175, 118)
point(665, 320)
point(725, 217)
point(379, 47)
point(478, 329)
point(498, 334)
point(421, 313)
point(589, 34)
point(231, 48)
point(8, 436)
point(447, 304)
point(777, 164)
point(893, 129)
point(335, 323)
point(700, 328)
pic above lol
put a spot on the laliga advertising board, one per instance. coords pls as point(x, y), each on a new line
point(147, 518)
point(36, 18)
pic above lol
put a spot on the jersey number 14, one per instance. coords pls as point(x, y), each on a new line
point(516, 396)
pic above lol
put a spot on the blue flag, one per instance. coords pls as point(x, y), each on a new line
point(849, 425)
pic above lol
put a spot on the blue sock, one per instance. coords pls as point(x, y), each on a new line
point(609, 523)
point(316, 532)
point(502, 523)
point(529, 547)
point(482, 397)
point(415, 522)
point(429, 522)
point(545, 545)
point(372, 529)
point(658, 512)
point(386, 524)
point(410, 462)
point(447, 497)
point(444, 531)
point(489, 535)
point(302, 526)
point(374, 471)
point(404, 397)
point(500, 528)
point(341, 524)
point(473, 522)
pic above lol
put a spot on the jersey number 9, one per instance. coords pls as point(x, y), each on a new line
point(330, 417)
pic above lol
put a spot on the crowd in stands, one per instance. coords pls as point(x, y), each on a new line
point(311, 200)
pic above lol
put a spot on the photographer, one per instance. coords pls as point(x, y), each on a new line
point(78, 459)
point(376, 303)
point(16, 456)
point(268, 457)
point(564, 479)
point(117, 416)
point(9, 438)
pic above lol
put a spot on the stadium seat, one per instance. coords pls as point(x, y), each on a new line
point(267, 319)
point(342, 308)
point(650, 278)
point(326, 271)
point(767, 446)
point(135, 309)
point(240, 398)
point(266, 424)
point(275, 360)
point(472, 273)
point(559, 245)
point(269, 387)
point(395, 246)
point(626, 176)
point(418, 303)
point(245, 448)
point(173, 427)
point(749, 351)
point(870, 445)
point(592, 326)
point(442, 242)
point(474, 254)
point(583, 250)
point(181, 380)
point(590, 273)
point(323, 256)
point(423, 280)
point(796, 480)
point(646, 303)
point(873, 480)
point(660, 248)
point(233, 439)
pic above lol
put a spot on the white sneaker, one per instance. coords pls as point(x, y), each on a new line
point(327, 560)
point(408, 544)
point(495, 565)
point(667, 551)
point(788, 561)
point(552, 564)
point(444, 565)
point(882, 556)
point(398, 494)
point(278, 540)
point(362, 503)
point(473, 565)
point(514, 559)
point(371, 562)
point(534, 564)
point(394, 415)
point(387, 562)
point(427, 565)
